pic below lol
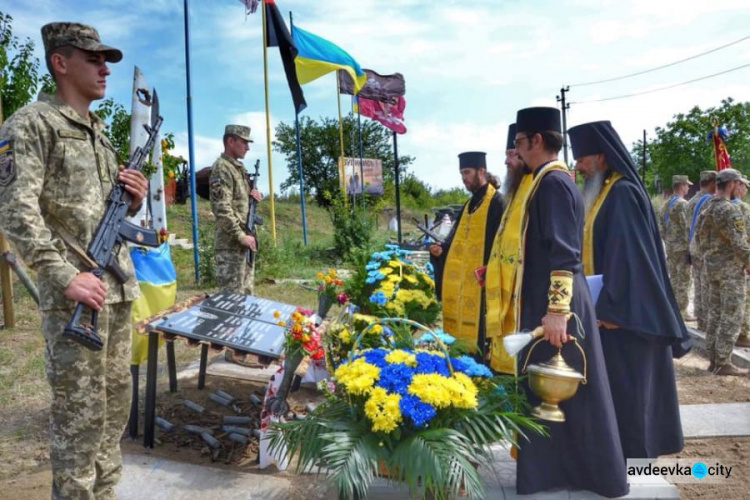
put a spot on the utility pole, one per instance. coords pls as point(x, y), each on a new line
point(564, 106)
point(644, 157)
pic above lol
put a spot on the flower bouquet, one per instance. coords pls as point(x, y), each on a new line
point(390, 285)
point(420, 417)
point(301, 339)
point(330, 291)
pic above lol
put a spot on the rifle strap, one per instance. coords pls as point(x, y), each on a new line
point(60, 230)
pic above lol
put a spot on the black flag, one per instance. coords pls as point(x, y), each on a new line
point(378, 87)
point(278, 36)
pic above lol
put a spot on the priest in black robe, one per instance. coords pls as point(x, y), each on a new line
point(639, 319)
point(460, 260)
point(584, 452)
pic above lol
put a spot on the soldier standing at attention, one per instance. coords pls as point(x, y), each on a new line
point(230, 204)
point(695, 206)
point(744, 339)
point(56, 171)
point(722, 238)
point(674, 222)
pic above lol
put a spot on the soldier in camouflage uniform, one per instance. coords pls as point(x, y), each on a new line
point(56, 171)
point(230, 204)
point(674, 225)
point(722, 238)
point(695, 206)
point(744, 339)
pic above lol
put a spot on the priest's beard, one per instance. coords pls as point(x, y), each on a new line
point(513, 178)
point(592, 186)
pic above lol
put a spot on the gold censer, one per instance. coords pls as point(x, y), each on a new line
point(553, 381)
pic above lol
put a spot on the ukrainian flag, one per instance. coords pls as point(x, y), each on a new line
point(157, 280)
point(317, 56)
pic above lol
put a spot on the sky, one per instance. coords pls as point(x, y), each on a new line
point(468, 66)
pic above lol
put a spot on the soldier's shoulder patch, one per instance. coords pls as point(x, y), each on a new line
point(216, 191)
point(739, 223)
point(7, 163)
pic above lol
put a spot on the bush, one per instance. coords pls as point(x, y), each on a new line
point(207, 256)
point(353, 227)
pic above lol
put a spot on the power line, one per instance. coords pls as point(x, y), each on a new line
point(662, 88)
point(660, 67)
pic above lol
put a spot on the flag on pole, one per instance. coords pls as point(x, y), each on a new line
point(390, 115)
point(377, 87)
point(317, 56)
point(718, 136)
point(277, 35)
point(250, 6)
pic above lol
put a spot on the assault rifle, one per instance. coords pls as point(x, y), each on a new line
point(112, 230)
point(253, 219)
point(427, 232)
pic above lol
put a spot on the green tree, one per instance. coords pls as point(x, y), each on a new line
point(321, 150)
point(682, 146)
point(19, 69)
point(118, 126)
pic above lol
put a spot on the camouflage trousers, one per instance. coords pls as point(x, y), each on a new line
point(700, 293)
point(90, 404)
point(745, 331)
point(679, 276)
point(726, 304)
point(233, 273)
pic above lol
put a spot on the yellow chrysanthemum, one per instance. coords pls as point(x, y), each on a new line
point(332, 271)
point(383, 410)
point(319, 275)
point(401, 356)
point(328, 280)
point(463, 391)
point(411, 279)
point(386, 270)
point(357, 376)
point(276, 314)
point(431, 388)
point(378, 329)
point(345, 335)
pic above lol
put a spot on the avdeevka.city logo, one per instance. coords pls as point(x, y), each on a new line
point(677, 470)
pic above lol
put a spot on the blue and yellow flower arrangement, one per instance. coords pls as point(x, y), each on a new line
point(423, 415)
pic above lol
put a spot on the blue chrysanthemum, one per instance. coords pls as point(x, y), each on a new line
point(431, 363)
point(395, 377)
point(374, 357)
point(416, 410)
point(472, 368)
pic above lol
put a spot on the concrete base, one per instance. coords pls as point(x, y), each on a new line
point(715, 420)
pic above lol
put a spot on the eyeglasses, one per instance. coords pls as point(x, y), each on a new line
point(517, 142)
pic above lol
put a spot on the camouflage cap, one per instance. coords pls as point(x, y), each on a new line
point(680, 179)
point(78, 35)
point(729, 174)
point(708, 175)
point(241, 131)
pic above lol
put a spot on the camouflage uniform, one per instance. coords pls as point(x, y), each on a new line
point(700, 285)
point(674, 224)
point(722, 239)
point(745, 331)
point(230, 204)
point(56, 169)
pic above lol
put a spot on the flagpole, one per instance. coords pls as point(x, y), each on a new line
point(299, 160)
point(398, 193)
point(191, 148)
point(268, 128)
point(361, 168)
point(342, 176)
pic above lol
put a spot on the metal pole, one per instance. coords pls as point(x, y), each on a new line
point(398, 193)
point(342, 174)
point(299, 160)
point(361, 168)
point(564, 106)
point(191, 148)
point(644, 157)
point(272, 205)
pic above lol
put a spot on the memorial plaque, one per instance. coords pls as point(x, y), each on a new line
point(242, 322)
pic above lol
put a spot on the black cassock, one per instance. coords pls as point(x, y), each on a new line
point(637, 296)
point(584, 452)
point(494, 214)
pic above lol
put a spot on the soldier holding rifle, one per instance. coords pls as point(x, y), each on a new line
point(56, 171)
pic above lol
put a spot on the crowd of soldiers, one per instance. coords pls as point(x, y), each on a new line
point(708, 237)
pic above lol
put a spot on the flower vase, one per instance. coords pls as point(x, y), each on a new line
point(324, 305)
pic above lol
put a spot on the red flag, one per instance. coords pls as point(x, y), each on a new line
point(721, 155)
point(390, 115)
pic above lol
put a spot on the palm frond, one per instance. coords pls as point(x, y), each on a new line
point(351, 456)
